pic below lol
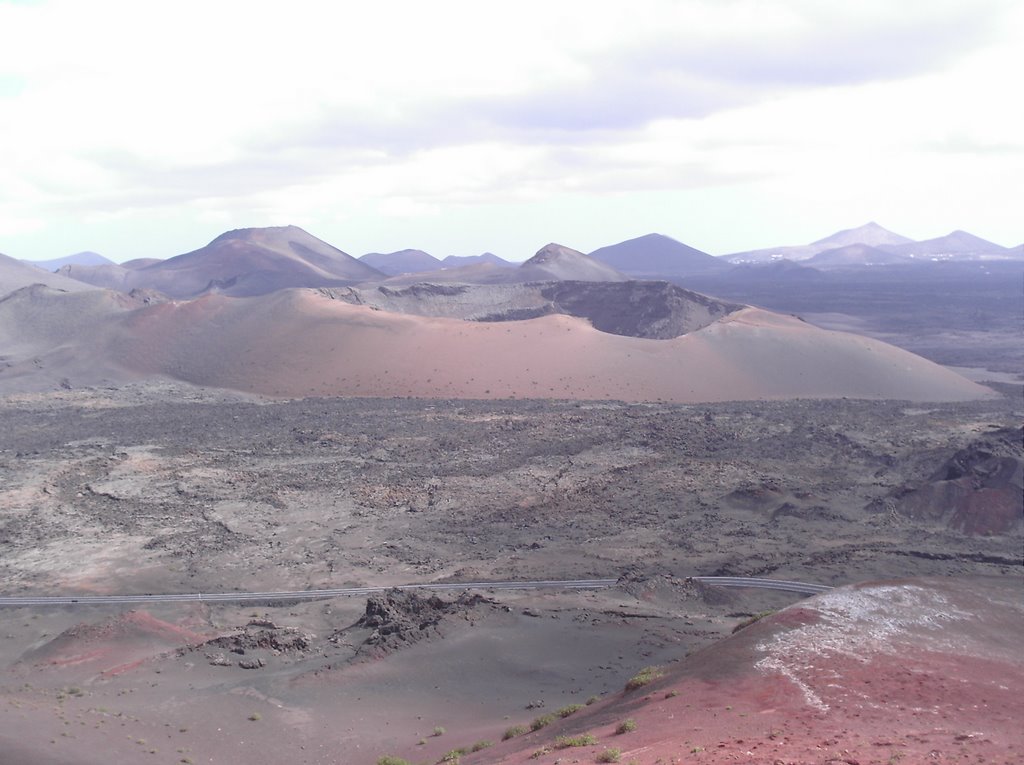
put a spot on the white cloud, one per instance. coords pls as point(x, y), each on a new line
point(332, 114)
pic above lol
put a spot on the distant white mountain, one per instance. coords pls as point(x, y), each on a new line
point(870, 234)
point(957, 245)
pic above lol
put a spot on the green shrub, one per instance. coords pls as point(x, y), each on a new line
point(626, 726)
point(387, 759)
point(542, 722)
point(454, 756)
point(593, 700)
point(515, 730)
point(643, 677)
point(571, 709)
point(438, 731)
point(481, 745)
point(584, 739)
point(609, 755)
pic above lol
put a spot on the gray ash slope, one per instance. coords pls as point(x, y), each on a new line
point(655, 310)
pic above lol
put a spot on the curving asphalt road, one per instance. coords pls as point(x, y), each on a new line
point(801, 588)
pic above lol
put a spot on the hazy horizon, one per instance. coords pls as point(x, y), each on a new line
point(515, 258)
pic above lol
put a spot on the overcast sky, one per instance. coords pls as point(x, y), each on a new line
point(145, 129)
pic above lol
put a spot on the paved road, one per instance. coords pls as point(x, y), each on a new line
point(802, 588)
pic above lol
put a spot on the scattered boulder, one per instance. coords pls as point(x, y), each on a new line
point(262, 636)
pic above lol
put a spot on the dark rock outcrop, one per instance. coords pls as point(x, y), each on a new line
point(978, 491)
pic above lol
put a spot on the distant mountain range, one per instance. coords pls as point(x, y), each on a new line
point(259, 260)
point(883, 246)
point(78, 259)
point(277, 311)
point(420, 262)
point(402, 262)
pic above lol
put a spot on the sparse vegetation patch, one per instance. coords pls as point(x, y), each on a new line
point(584, 739)
point(542, 722)
point(387, 759)
point(626, 726)
point(643, 677)
point(568, 710)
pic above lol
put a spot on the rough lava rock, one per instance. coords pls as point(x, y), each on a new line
point(398, 618)
point(978, 491)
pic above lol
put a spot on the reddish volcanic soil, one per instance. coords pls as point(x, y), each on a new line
point(912, 671)
point(115, 645)
point(300, 343)
point(296, 343)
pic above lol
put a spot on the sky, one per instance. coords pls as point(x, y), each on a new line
point(146, 129)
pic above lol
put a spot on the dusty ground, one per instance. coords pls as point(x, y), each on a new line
point(916, 671)
point(169, 488)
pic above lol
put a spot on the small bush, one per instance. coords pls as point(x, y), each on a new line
point(387, 759)
point(564, 742)
point(542, 722)
point(515, 730)
point(438, 731)
point(610, 755)
point(626, 726)
point(593, 700)
point(454, 756)
point(481, 745)
point(643, 677)
point(540, 752)
point(671, 694)
point(255, 716)
point(571, 709)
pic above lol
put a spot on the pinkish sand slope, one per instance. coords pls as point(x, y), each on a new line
point(301, 343)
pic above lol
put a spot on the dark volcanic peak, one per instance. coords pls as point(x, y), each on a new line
point(657, 255)
point(558, 262)
point(402, 262)
point(78, 259)
point(870, 234)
